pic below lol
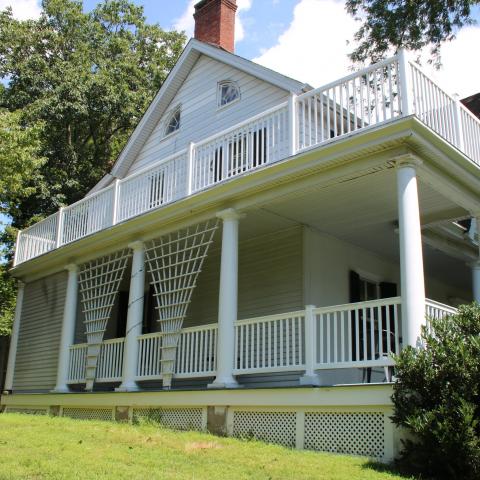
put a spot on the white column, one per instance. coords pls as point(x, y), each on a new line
point(68, 329)
point(411, 257)
point(476, 265)
point(292, 124)
point(12, 352)
point(227, 301)
point(476, 281)
point(406, 87)
point(134, 318)
point(309, 377)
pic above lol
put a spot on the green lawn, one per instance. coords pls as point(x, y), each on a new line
point(36, 447)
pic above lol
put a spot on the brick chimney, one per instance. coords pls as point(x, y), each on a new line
point(215, 22)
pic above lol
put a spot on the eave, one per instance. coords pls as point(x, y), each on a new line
point(355, 154)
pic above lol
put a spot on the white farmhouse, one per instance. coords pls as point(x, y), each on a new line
point(255, 256)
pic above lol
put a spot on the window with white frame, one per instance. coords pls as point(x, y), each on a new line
point(228, 92)
point(173, 121)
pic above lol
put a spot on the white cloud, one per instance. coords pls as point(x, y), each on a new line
point(186, 22)
point(460, 72)
point(314, 49)
point(22, 9)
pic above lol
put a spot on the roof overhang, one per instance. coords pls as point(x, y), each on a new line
point(445, 168)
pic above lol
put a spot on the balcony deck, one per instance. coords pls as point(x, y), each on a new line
point(378, 95)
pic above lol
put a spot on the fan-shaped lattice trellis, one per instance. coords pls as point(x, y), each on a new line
point(174, 262)
point(99, 283)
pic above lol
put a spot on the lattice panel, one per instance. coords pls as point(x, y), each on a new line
point(175, 418)
point(356, 433)
point(273, 427)
point(174, 262)
point(26, 410)
point(88, 413)
point(99, 283)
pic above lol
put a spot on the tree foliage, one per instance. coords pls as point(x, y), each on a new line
point(74, 85)
point(20, 159)
point(7, 301)
point(88, 78)
point(437, 398)
point(405, 23)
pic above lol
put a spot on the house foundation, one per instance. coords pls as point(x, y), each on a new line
point(353, 419)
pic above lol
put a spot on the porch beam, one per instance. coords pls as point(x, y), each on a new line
point(134, 318)
point(451, 215)
point(68, 329)
point(411, 256)
point(227, 301)
point(12, 352)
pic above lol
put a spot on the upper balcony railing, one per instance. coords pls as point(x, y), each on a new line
point(376, 95)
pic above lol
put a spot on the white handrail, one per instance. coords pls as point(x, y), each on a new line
point(242, 124)
point(351, 76)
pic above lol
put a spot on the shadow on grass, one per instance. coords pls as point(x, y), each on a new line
point(388, 468)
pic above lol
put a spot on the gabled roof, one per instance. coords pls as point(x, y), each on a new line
point(174, 81)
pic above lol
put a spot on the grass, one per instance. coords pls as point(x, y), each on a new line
point(37, 447)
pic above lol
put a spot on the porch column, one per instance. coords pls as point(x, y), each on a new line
point(411, 257)
point(68, 329)
point(227, 301)
point(476, 265)
point(12, 352)
point(134, 318)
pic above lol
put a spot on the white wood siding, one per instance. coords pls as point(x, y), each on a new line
point(328, 261)
point(200, 117)
point(270, 279)
point(40, 330)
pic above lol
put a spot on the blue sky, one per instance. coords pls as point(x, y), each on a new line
point(264, 21)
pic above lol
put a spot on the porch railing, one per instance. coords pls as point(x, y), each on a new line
point(270, 344)
point(110, 362)
point(357, 334)
point(354, 335)
point(374, 96)
point(196, 353)
point(436, 310)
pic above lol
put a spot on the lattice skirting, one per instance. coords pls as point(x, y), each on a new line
point(27, 410)
point(274, 427)
point(175, 418)
point(348, 432)
point(89, 413)
point(355, 433)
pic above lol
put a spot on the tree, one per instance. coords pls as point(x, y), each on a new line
point(20, 159)
point(88, 78)
point(74, 86)
point(437, 398)
point(7, 301)
point(405, 23)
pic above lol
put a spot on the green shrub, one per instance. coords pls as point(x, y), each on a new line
point(437, 398)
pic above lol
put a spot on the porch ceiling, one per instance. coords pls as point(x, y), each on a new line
point(363, 212)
